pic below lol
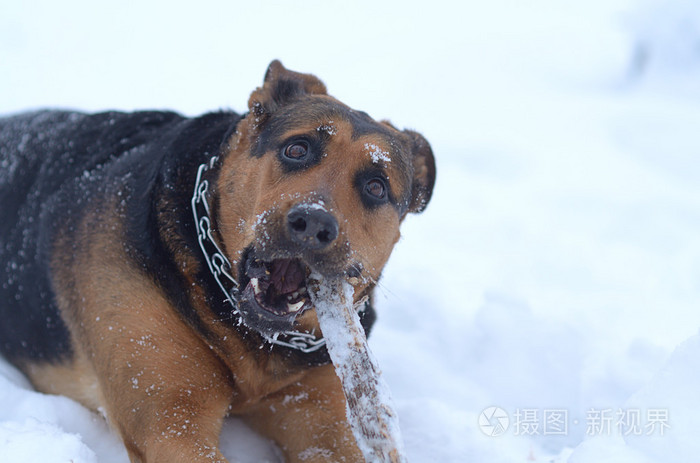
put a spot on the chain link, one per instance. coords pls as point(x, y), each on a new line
point(220, 267)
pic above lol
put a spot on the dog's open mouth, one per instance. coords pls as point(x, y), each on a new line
point(278, 286)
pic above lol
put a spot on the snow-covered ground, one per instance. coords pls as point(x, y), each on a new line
point(556, 274)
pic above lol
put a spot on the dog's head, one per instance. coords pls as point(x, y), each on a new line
point(311, 185)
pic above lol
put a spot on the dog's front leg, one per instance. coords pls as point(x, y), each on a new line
point(167, 398)
point(173, 425)
point(160, 385)
point(307, 420)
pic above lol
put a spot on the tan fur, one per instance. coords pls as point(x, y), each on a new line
point(306, 417)
point(161, 388)
point(75, 379)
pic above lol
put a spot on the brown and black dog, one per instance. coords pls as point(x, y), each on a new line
point(154, 267)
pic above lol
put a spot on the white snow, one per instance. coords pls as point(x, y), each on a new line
point(377, 154)
point(328, 127)
point(558, 265)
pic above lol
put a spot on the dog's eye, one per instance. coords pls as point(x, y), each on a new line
point(373, 188)
point(376, 188)
point(297, 150)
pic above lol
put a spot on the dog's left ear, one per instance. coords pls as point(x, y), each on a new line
point(423, 172)
point(280, 87)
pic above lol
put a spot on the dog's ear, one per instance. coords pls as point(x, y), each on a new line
point(280, 87)
point(423, 172)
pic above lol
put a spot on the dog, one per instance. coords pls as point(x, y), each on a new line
point(154, 266)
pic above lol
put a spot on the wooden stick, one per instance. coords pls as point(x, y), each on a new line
point(370, 409)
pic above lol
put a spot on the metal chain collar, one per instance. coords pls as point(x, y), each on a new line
point(220, 268)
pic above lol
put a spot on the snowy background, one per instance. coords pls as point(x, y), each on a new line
point(555, 275)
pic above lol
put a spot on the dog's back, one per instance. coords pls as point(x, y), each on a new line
point(51, 163)
point(34, 162)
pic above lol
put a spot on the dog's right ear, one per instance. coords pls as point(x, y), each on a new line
point(280, 87)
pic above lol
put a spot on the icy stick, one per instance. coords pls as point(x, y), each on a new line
point(370, 409)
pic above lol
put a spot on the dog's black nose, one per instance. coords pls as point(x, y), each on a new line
point(311, 226)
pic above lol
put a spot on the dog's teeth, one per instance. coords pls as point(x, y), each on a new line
point(295, 294)
point(354, 281)
point(255, 284)
point(295, 307)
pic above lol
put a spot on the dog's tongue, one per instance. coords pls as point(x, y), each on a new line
point(286, 275)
